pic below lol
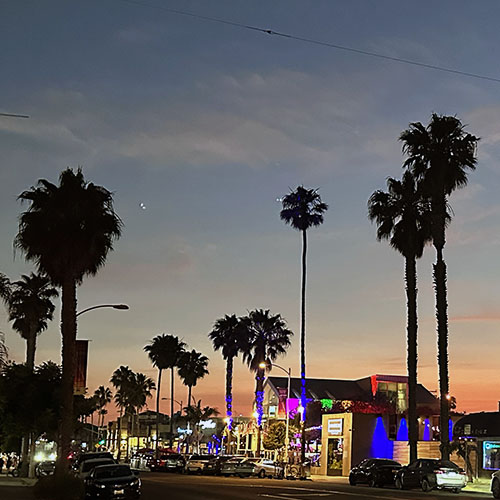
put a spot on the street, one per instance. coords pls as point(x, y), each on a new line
point(183, 487)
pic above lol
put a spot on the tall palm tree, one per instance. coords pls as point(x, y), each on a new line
point(5, 288)
point(440, 155)
point(121, 379)
point(164, 351)
point(227, 336)
point(268, 338)
point(191, 368)
point(30, 309)
point(68, 231)
point(303, 209)
point(103, 397)
point(403, 217)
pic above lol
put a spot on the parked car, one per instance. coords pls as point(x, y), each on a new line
point(172, 462)
point(88, 456)
point(230, 466)
point(429, 474)
point(259, 467)
point(214, 465)
point(495, 484)
point(46, 468)
point(115, 481)
point(374, 472)
point(197, 463)
point(87, 466)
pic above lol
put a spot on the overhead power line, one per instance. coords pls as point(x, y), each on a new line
point(312, 41)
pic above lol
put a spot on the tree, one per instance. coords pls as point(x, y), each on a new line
point(164, 351)
point(5, 288)
point(3, 352)
point(103, 397)
point(227, 336)
point(402, 215)
point(440, 156)
point(268, 337)
point(68, 231)
point(196, 414)
point(30, 310)
point(121, 379)
point(303, 209)
point(191, 368)
point(274, 438)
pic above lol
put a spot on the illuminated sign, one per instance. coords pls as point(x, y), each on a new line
point(335, 427)
point(208, 424)
point(491, 455)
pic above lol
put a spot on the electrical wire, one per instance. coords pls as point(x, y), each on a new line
point(313, 41)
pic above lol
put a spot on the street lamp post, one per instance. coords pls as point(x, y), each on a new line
point(289, 375)
point(113, 306)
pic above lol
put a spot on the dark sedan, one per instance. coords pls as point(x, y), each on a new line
point(112, 481)
point(173, 462)
point(374, 472)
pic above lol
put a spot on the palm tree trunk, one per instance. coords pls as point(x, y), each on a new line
point(68, 330)
point(229, 401)
point(30, 349)
point(303, 397)
point(171, 440)
point(158, 413)
point(118, 456)
point(190, 390)
point(411, 295)
point(442, 327)
point(259, 399)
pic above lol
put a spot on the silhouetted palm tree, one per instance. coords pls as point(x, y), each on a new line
point(303, 209)
point(30, 310)
point(5, 288)
point(192, 367)
point(227, 336)
point(103, 397)
point(196, 414)
point(403, 217)
point(67, 231)
point(440, 155)
point(122, 379)
point(164, 351)
point(3, 352)
point(268, 338)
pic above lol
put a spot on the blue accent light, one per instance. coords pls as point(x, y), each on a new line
point(402, 431)
point(450, 429)
point(382, 446)
point(427, 430)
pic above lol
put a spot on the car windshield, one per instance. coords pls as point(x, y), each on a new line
point(90, 464)
point(110, 472)
point(446, 464)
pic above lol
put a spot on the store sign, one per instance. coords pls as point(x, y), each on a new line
point(335, 427)
point(491, 455)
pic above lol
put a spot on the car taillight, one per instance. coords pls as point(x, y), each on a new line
point(439, 471)
point(463, 473)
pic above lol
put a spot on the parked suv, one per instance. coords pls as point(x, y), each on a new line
point(495, 484)
point(374, 472)
point(429, 474)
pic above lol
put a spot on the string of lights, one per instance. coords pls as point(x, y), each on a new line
point(313, 41)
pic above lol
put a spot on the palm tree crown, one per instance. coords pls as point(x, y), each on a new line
point(30, 309)
point(192, 367)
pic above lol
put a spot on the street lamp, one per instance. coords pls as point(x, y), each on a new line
point(121, 307)
point(289, 375)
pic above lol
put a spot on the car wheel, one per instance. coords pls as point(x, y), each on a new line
point(457, 490)
point(352, 481)
point(261, 474)
point(495, 488)
point(372, 483)
point(399, 484)
point(426, 486)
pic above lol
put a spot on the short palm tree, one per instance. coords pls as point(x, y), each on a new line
point(227, 336)
point(164, 351)
point(402, 215)
point(303, 209)
point(68, 231)
point(30, 310)
point(196, 414)
point(268, 338)
point(191, 368)
point(122, 379)
point(103, 397)
point(440, 156)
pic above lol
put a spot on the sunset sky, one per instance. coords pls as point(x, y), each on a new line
point(207, 125)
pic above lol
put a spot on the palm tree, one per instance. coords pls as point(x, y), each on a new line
point(191, 368)
point(403, 217)
point(440, 155)
point(103, 397)
point(196, 414)
point(227, 336)
point(303, 209)
point(5, 288)
point(67, 231)
point(3, 352)
point(164, 351)
point(268, 338)
point(122, 379)
point(30, 310)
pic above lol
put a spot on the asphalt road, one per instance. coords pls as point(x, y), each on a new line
point(157, 486)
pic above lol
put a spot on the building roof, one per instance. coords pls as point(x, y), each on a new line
point(484, 424)
point(345, 390)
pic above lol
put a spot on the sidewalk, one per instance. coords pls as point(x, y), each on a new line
point(15, 481)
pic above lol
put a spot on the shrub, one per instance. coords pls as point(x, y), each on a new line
point(67, 487)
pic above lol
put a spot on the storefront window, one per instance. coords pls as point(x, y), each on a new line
point(491, 455)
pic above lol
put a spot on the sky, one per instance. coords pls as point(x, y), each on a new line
point(198, 128)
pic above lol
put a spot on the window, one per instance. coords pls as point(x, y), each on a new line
point(491, 455)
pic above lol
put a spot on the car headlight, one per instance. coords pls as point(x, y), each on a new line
point(100, 485)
